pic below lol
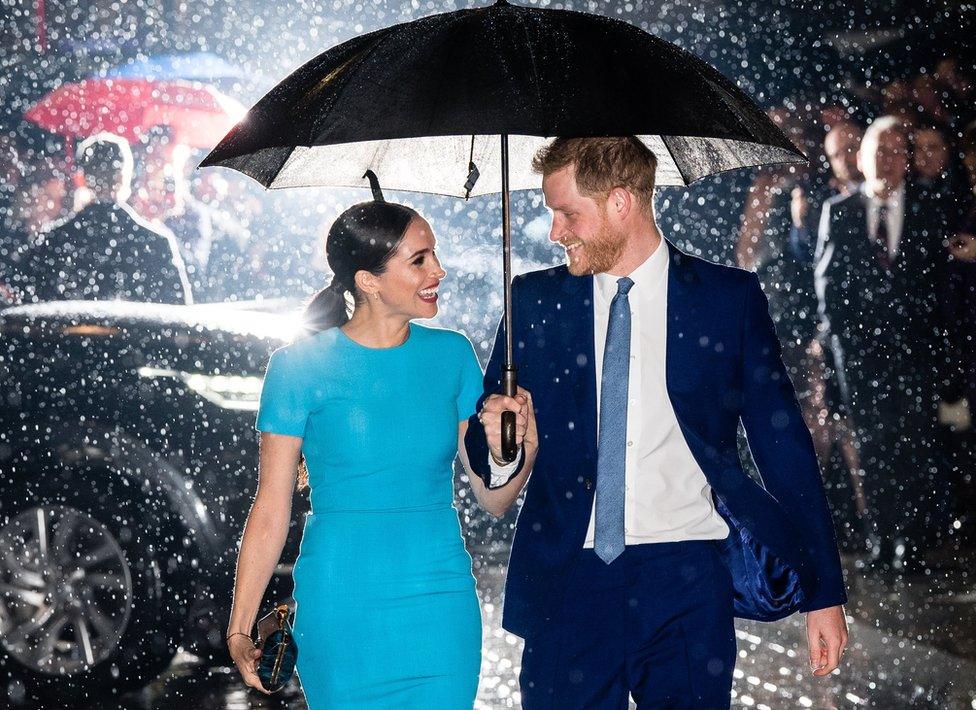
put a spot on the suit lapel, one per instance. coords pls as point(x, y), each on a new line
point(579, 355)
point(684, 323)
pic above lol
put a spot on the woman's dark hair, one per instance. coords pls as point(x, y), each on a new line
point(364, 238)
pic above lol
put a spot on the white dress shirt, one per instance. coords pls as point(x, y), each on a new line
point(895, 221)
point(667, 497)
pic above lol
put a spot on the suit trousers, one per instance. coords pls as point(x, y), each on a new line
point(656, 624)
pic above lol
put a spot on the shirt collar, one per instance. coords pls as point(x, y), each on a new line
point(647, 275)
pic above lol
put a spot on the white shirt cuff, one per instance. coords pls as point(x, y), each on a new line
point(500, 475)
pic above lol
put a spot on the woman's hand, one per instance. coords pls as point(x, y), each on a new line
point(264, 538)
point(246, 657)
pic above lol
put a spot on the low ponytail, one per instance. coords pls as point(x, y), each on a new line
point(328, 308)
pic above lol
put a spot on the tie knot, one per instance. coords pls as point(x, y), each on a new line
point(624, 284)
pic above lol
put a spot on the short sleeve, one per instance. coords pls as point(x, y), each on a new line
point(284, 405)
point(472, 381)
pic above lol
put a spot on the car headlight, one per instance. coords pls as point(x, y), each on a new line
point(226, 391)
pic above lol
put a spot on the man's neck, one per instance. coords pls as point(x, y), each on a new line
point(643, 241)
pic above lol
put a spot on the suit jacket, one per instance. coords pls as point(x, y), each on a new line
point(106, 251)
point(885, 324)
point(723, 366)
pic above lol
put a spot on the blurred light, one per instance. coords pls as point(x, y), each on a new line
point(89, 330)
point(226, 391)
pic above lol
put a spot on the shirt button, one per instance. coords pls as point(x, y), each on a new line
point(630, 443)
point(633, 357)
point(588, 483)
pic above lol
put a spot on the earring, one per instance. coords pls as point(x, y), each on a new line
point(376, 294)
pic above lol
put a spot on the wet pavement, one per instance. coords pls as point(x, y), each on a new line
point(911, 646)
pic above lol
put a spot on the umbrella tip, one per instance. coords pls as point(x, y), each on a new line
point(374, 185)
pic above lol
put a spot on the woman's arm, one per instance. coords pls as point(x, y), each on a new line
point(264, 535)
point(497, 501)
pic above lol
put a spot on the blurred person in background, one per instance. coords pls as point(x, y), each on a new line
point(957, 89)
point(929, 99)
point(189, 219)
point(9, 172)
point(106, 251)
point(957, 412)
point(236, 267)
point(879, 265)
point(161, 194)
point(896, 99)
point(38, 201)
point(840, 146)
point(967, 153)
point(931, 167)
point(766, 247)
point(776, 242)
point(156, 170)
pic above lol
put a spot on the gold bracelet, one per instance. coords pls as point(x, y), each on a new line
point(239, 633)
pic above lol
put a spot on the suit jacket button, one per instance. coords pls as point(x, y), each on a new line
point(588, 483)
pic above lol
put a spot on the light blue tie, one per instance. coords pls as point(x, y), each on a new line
point(611, 456)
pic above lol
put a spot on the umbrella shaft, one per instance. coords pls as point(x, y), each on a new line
point(506, 252)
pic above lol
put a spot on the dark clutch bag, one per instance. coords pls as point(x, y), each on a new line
point(278, 649)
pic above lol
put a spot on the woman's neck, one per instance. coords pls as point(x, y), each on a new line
point(376, 331)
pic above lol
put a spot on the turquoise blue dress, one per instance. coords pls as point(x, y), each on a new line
point(387, 615)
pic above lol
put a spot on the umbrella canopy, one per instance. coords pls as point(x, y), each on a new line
point(421, 105)
point(192, 66)
point(417, 102)
point(198, 114)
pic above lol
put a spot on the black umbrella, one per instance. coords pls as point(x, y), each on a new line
point(422, 104)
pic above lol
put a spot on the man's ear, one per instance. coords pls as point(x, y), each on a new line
point(620, 203)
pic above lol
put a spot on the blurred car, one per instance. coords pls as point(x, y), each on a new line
point(128, 463)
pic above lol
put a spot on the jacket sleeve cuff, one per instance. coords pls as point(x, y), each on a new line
point(825, 601)
point(502, 474)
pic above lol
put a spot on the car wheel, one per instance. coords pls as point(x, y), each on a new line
point(86, 604)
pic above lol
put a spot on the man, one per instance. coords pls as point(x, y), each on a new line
point(822, 405)
point(879, 264)
point(641, 536)
point(840, 145)
point(932, 173)
point(38, 202)
point(105, 251)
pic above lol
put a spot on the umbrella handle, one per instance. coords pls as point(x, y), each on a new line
point(509, 389)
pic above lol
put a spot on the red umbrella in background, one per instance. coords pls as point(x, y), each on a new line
point(199, 115)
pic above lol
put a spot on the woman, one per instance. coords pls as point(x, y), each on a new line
point(387, 614)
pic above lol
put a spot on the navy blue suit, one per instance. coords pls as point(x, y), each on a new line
point(723, 366)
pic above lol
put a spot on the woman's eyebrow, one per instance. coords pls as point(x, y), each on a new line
point(422, 251)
